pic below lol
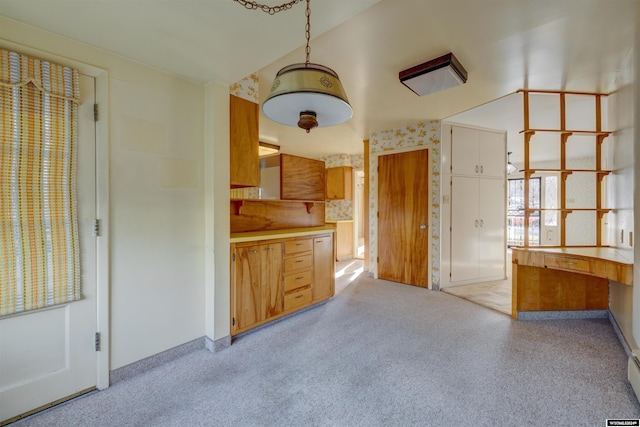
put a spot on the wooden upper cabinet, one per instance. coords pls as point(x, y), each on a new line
point(245, 168)
point(339, 183)
point(301, 178)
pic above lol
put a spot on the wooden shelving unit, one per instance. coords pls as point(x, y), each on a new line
point(564, 172)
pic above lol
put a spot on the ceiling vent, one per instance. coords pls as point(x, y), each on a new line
point(433, 76)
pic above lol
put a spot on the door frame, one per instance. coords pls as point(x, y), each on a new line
point(374, 216)
point(102, 198)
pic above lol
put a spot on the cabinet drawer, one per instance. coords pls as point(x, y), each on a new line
point(565, 263)
point(297, 299)
point(297, 246)
point(298, 263)
point(296, 281)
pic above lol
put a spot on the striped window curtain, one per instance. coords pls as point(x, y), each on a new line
point(39, 253)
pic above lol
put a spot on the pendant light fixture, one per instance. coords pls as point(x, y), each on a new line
point(306, 95)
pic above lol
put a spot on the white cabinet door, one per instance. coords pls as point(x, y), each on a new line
point(478, 152)
point(464, 228)
point(491, 241)
point(464, 151)
point(491, 154)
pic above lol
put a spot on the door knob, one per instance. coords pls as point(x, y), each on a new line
point(423, 226)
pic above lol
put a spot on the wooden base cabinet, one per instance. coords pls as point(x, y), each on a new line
point(275, 277)
point(323, 268)
point(257, 292)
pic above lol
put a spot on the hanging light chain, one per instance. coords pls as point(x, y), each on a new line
point(307, 31)
point(271, 10)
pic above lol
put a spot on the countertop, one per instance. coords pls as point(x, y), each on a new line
point(251, 236)
point(605, 253)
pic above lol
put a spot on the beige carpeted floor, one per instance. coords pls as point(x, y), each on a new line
point(379, 354)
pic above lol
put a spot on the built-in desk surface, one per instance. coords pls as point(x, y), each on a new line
point(563, 279)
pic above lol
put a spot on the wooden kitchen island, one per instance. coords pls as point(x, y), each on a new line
point(565, 279)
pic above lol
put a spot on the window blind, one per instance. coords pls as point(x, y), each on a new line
point(39, 249)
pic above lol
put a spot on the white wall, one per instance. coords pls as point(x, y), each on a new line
point(156, 197)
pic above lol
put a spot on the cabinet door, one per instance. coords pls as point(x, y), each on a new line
point(492, 214)
point(464, 151)
point(464, 228)
point(301, 178)
point(339, 182)
point(247, 308)
point(271, 280)
point(243, 139)
point(323, 268)
point(491, 154)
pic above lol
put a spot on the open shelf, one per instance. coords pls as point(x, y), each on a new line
point(564, 172)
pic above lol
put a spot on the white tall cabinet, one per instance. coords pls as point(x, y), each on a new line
point(474, 249)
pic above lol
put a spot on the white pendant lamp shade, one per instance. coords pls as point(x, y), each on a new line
point(307, 95)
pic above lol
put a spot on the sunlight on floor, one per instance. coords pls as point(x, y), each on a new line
point(347, 272)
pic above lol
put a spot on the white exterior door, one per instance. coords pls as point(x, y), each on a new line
point(49, 354)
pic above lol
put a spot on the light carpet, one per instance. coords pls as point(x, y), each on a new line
point(380, 354)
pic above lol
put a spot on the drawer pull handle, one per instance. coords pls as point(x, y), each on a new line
point(300, 278)
point(298, 244)
point(299, 296)
point(252, 252)
point(299, 261)
point(569, 262)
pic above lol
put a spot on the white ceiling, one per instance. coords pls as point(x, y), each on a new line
point(505, 45)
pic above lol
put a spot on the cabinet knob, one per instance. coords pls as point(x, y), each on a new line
point(423, 226)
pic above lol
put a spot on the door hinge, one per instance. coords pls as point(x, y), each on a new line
point(97, 341)
point(234, 256)
point(233, 322)
point(378, 214)
point(96, 227)
point(95, 112)
point(377, 259)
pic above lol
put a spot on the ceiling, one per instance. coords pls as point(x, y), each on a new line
point(504, 45)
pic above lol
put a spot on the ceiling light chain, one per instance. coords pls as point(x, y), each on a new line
point(306, 95)
point(307, 31)
point(271, 10)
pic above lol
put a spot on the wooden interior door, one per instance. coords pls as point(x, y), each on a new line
point(403, 227)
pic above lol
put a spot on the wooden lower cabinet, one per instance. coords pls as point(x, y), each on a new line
point(323, 268)
point(257, 293)
point(275, 277)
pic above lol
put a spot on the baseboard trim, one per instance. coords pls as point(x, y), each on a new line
point(217, 345)
point(620, 335)
point(148, 363)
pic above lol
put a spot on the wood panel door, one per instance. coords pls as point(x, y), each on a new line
point(403, 227)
